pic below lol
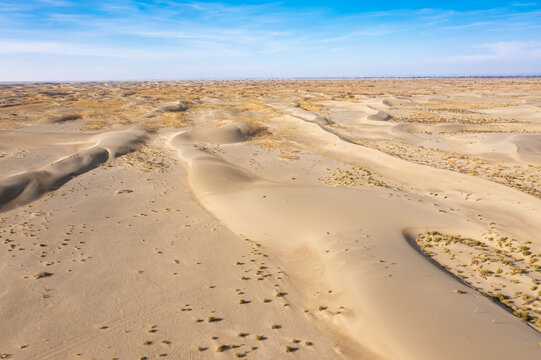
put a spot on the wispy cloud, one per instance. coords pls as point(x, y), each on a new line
point(269, 35)
point(55, 2)
point(83, 50)
point(529, 4)
point(503, 51)
point(61, 48)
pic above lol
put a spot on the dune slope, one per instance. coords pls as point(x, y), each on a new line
point(384, 287)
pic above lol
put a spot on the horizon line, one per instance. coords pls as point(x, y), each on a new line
point(419, 77)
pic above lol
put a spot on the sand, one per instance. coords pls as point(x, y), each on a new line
point(310, 219)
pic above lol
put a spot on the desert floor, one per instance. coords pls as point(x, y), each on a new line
point(303, 219)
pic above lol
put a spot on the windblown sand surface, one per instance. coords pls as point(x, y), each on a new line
point(321, 219)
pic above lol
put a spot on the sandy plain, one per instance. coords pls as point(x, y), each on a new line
point(306, 219)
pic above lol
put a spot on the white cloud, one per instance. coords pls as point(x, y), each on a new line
point(275, 36)
point(54, 2)
point(503, 51)
point(206, 49)
point(524, 4)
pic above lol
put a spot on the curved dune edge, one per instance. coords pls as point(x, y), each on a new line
point(228, 134)
point(20, 189)
point(380, 115)
point(523, 148)
point(394, 300)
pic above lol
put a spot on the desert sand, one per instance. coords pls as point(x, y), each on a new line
point(306, 219)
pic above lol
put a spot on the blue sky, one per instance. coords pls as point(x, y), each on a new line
point(42, 40)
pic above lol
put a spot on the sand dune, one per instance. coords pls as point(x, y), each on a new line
point(231, 133)
point(287, 217)
point(338, 219)
point(176, 107)
point(380, 116)
point(396, 102)
point(525, 148)
point(528, 113)
point(528, 148)
point(25, 187)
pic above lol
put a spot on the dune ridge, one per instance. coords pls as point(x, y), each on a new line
point(19, 189)
point(306, 219)
point(287, 217)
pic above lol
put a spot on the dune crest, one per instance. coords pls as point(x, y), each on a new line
point(372, 219)
point(285, 217)
point(25, 187)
